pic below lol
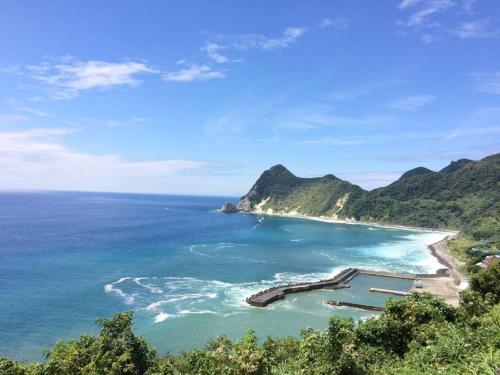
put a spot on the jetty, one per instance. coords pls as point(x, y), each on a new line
point(341, 280)
point(355, 305)
point(388, 291)
point(265, 297)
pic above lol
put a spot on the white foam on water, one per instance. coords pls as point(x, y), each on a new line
point(193, 250)
point(409, 254)
point(223, 245)
point(172, 297)
point(109, 288)
point(151, 288)
point(195, 312)
point(162, 317)
point(121, 280)
point(297, 240)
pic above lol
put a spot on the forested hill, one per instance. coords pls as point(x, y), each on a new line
point(464, 195)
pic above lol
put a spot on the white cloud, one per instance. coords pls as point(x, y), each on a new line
point(212, 50)
point(265, 43)
point(33, 111)
point(225, 126)
point(428, 38)
point(382, 138)
point(132, 121)
point(318, 119)
point(366, 88)
point(70, 77)
point(7, 118)
point(38, 159)
point(488, 82)
point(193, 73)
point(411, 103)
point(336, 23)
point(474, 29)
point(408, 3)
point(468, 6)
point(428, 8)
point(288, 37)
point(370, 180)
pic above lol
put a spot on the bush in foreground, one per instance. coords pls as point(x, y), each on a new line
point(417, 335)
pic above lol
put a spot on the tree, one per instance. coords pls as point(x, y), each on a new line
point(116, 350)
point(487, 281)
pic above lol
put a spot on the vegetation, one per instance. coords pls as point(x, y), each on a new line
point(417, 335)
point(465, 195)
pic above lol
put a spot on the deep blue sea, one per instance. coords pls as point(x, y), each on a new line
point(184, 268)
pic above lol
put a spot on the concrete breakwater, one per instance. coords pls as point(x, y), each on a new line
point(341, 280)
point(265, 297)
point(355, 305)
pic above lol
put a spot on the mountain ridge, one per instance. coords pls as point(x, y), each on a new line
point(465, 195)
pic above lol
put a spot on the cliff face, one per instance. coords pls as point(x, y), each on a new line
point(279, 191)
point(464, 195)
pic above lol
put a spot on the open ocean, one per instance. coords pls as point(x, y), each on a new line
point(184, 268)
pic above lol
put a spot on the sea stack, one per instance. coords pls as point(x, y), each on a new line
point(228, 208)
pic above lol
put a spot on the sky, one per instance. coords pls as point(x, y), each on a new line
point(200, 97)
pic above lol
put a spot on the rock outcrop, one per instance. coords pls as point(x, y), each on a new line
point(228, 208)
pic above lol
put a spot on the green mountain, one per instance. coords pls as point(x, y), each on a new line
point(465, 195)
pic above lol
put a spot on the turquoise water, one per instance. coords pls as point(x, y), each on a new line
point(184, 268)
point(359, 291)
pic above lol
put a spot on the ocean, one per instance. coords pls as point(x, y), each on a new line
point(183, 267)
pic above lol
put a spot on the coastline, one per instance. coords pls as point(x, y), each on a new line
point(324, 219)
point(441, 252)
point(447, 287)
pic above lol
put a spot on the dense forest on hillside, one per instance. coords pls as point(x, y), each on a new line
point(465, 196)
point(417, 335)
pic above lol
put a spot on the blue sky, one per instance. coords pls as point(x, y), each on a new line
point(199, 97)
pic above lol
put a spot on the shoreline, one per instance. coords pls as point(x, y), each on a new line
point(447, 287)
point(349, 222)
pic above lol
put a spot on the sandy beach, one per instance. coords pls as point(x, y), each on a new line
point(325, 219)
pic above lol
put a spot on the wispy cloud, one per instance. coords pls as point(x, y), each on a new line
point(366, 88)
point(468, 6)
point(488, 82)
point(213, 52)
point(426, 9)
point(425, 19)
point(288, 37)
point(404, 4)
point(370, 180)
point(411, 103)
point(337, 23)
point(70, 77)
point(33, 111)
point(38, 158)
point(261, 42)
point(9, 118)
point(119, 123)
point(382, 138)
point(193, 73)
point(314, 119)
point(475, 29)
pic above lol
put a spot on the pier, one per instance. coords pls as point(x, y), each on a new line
point(341, 280)
point(355, 305)
point(388, 291)
point(268, 296)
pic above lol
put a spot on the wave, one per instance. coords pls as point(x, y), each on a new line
point(109, 288)
point(162, 317)
point(151, 288)
point(170, 297)
point(297, 240)
point(193, 250)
